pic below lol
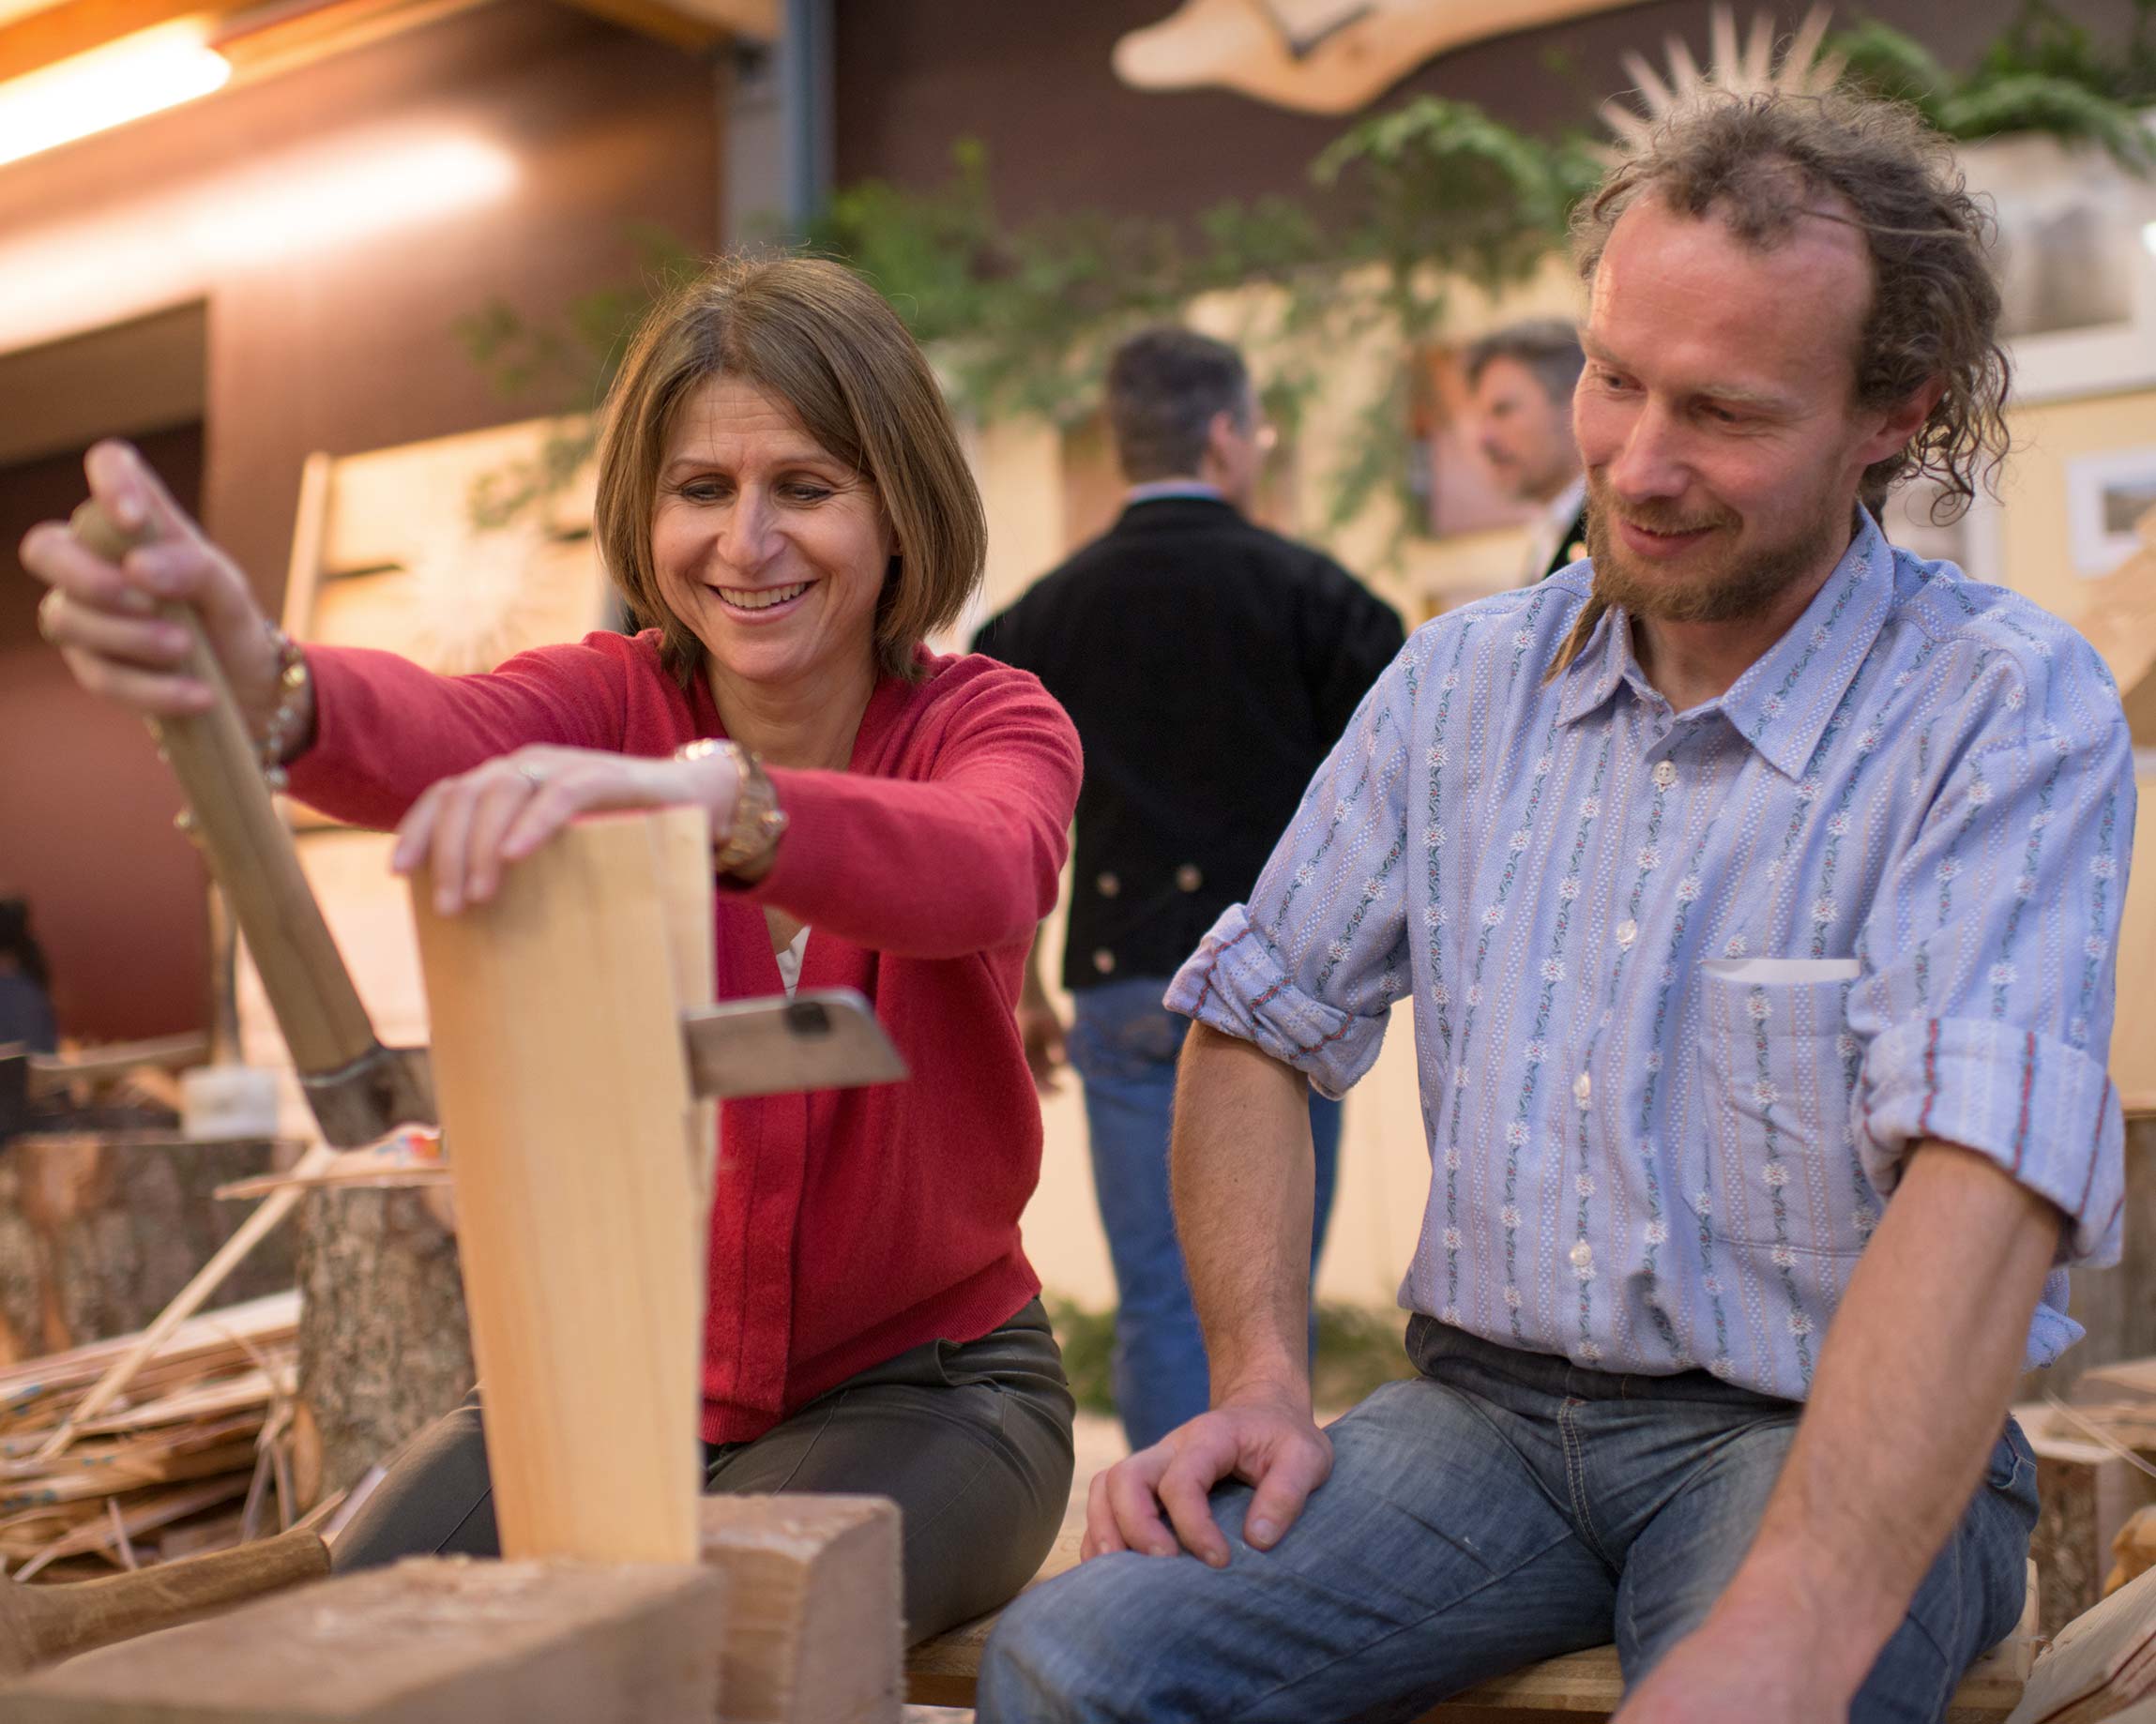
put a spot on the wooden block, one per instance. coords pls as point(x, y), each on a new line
point(2086, 1494)
point(100, 1230)
point(813, 1632)
point(433, 1641)
point(582, 1211)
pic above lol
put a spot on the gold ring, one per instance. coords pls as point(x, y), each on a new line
point(44, 616)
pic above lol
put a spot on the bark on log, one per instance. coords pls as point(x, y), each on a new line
point(383, 1345)
point(99, 1230)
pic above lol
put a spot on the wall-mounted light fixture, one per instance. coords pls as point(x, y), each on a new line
point(108, 87)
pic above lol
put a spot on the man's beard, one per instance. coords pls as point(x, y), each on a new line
point(1729, 587)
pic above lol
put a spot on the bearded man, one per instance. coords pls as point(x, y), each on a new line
point(1757, 887)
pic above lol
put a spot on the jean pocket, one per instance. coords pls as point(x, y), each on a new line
point(1777, 1070)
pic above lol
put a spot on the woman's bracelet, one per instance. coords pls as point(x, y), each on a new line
point(293, 685)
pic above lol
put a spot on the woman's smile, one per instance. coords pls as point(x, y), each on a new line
point(762, 602)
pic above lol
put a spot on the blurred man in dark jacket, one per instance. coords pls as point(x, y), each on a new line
point(1210, 665)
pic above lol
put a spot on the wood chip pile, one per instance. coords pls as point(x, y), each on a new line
point(194, 1455)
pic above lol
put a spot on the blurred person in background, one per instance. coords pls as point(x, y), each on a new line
point(1521, 379)
point(1208, 664)
point(26, 1021)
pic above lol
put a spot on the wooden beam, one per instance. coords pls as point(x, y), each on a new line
point(264, 42)
point(581, 1212)
point(76, 26)
point(285, 40)
point(761, 21)
point(658, 18)
point(424, 1641)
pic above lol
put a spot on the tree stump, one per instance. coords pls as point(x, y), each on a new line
point(383, 1345)
point(98, 1230)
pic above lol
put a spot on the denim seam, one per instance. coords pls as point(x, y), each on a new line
point(1949, 1662)
point(1577, 1481)
point(1408, 1627)
point(1497, 1431)
point(1627, 1627)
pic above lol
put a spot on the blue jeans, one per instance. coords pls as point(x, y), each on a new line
point(1500, 1508)
point(1123, 1044)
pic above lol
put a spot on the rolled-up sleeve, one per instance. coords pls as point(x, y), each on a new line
point(1308, 970)
point(1985, 1005)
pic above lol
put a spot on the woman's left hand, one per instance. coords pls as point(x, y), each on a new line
point(469, 827)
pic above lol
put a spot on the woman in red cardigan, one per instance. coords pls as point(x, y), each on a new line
point(782, 498)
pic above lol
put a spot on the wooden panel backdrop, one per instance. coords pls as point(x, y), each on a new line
point(386, 554)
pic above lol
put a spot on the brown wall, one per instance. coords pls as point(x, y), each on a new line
point(1035, 83)
point(348, 350)
point(116, 896)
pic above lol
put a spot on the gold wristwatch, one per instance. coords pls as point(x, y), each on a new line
point(758, 821)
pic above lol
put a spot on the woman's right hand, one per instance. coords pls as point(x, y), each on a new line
point(104, 616)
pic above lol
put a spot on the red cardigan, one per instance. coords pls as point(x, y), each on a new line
point(848, 1225)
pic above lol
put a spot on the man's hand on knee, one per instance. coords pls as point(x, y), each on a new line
point(1159, 1495)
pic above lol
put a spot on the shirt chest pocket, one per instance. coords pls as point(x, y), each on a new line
point(1777, 1068)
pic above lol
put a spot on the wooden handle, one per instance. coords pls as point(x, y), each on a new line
point(42, 1625)
point(251, 853)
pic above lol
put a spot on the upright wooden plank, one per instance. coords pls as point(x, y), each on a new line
point(303, 570)
point(565, 1110)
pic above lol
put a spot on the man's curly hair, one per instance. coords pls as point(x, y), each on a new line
point(1759, 164)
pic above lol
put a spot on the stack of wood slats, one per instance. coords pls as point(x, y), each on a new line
point(194, 1455)
point(2121, 1398)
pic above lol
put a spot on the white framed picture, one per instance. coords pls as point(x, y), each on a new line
point(2107, 496)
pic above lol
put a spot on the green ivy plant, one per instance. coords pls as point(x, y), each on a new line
point(2046, 74)
point(1405, 205)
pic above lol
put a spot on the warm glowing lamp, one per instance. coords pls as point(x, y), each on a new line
point(107, 87)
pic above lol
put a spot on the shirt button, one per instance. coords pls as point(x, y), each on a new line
point(1188, 879)
point(1665, 773)
point(1582, 1255)
point(1103, 961)
point(1583, 1087)
point(1627, 931)
point(1107, 885)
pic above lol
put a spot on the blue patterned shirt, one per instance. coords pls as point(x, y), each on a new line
point(1689, 987)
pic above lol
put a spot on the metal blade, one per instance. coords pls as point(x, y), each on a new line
point(829, 1039)
point(365, 1101)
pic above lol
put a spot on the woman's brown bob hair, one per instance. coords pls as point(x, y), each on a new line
point(814, 335)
